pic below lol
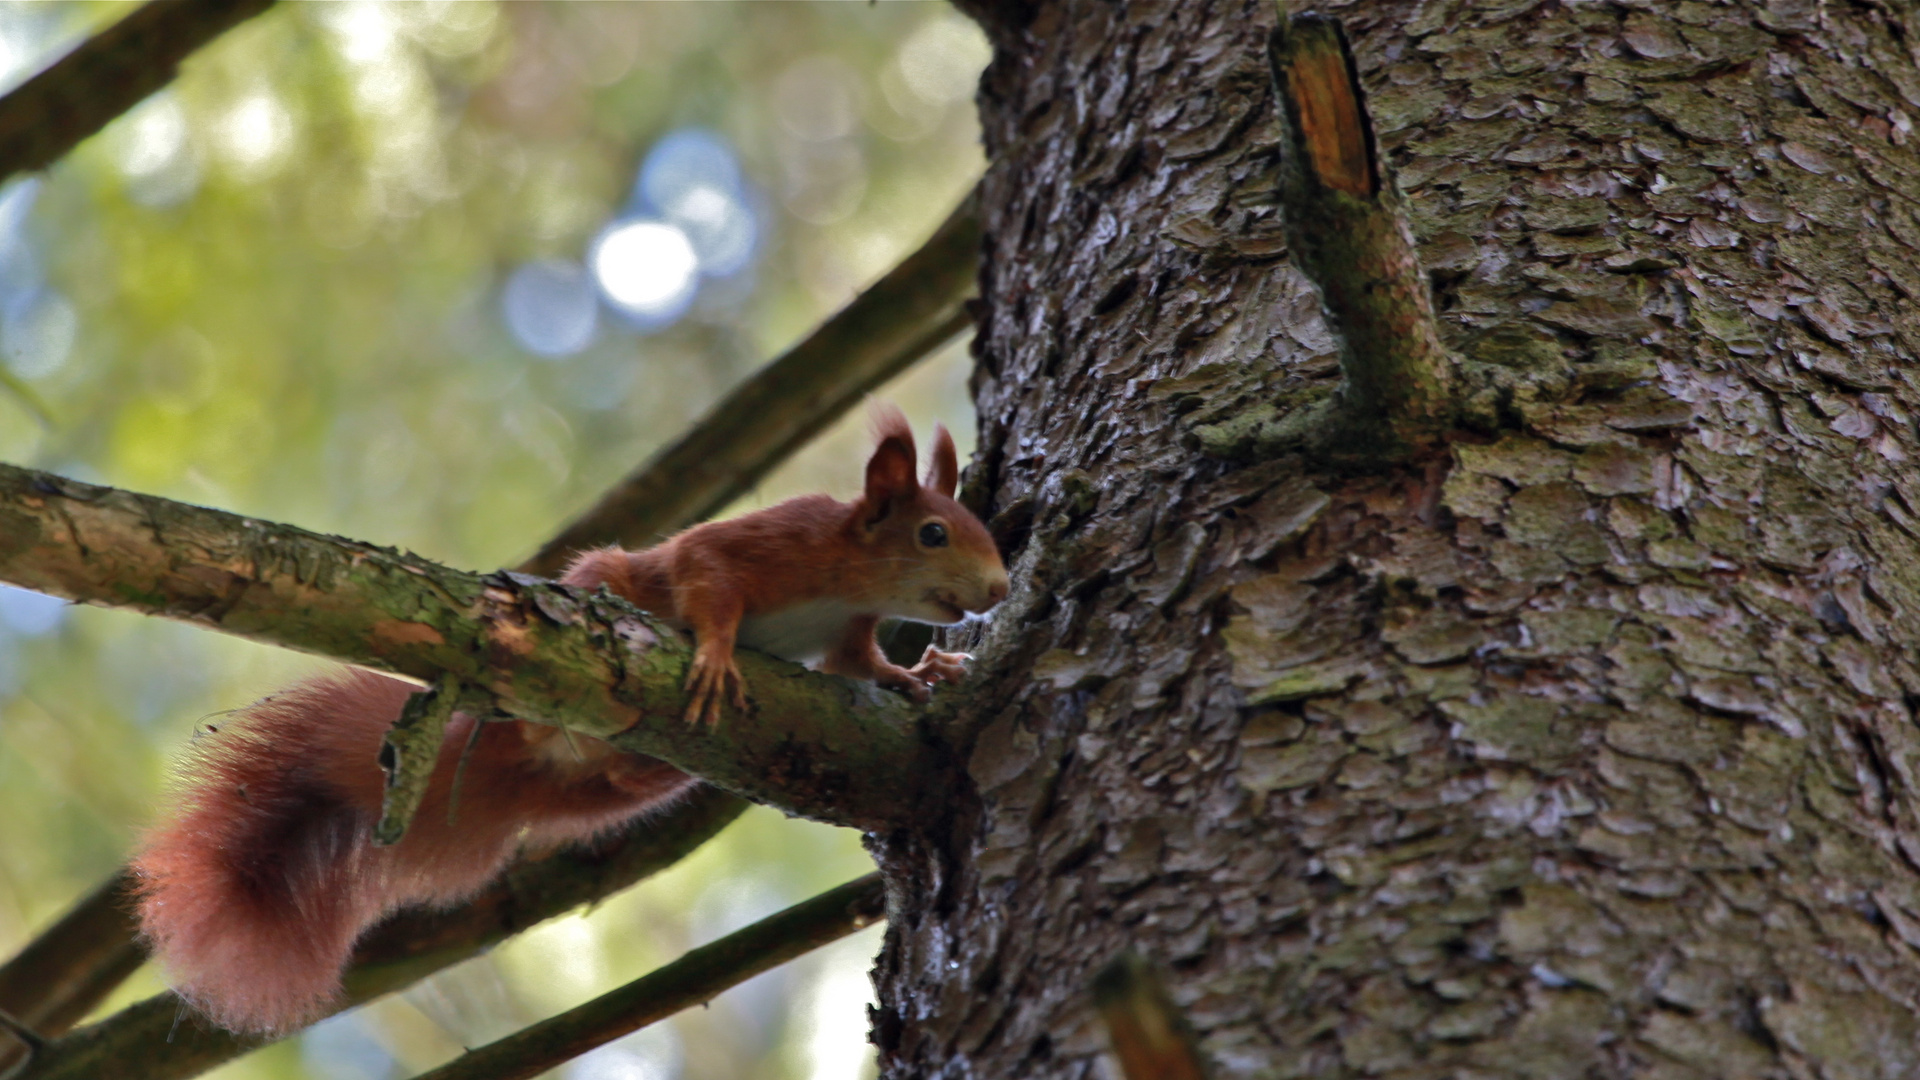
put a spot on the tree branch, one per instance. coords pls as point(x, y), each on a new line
point(109, 73)
point(916, 308)
point(150, 1040)
point(1347, 231)
point(816, 745)
point(1150, 1038)
point(691, 980)
point(63, 973)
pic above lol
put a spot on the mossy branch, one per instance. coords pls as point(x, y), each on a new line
point(109, 73)
point(816, 745)
point(150, 1040)
point(1348, 233)
point(695, 978)
point(917, 307)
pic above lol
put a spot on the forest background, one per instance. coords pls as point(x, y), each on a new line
point(434, 275)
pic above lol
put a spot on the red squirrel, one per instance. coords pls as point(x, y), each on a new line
point(254, 892)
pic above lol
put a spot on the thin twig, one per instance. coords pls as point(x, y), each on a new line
point(109, 73)
point(916, 308)
point(408, 755)
point(19, 1029)
point(71, 966)
point(1150, 1038)
point(31, 1042)
point(694, 978)
point(1347, 231)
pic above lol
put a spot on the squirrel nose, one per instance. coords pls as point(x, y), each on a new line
point(996, 592)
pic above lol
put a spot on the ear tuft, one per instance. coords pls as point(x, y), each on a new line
point(886, 421)
point(943, 463)
point(889, 476)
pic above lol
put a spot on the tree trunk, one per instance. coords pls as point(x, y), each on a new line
point(1583, 749)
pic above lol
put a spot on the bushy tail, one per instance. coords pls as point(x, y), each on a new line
point(253, 894)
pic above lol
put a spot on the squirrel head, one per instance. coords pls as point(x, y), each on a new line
point(944, 563)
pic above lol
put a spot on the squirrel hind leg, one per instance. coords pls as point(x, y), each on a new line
point(256, 937)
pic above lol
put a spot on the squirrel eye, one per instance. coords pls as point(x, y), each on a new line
point(933, 534)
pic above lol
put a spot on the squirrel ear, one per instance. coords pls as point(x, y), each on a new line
point(943, 464)
point(889, 476)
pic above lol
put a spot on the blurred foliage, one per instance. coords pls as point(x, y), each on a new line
point(275, 288)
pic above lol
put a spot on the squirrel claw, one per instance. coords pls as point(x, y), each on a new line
point(708, 685)
point(907, 682)
point(937, 666)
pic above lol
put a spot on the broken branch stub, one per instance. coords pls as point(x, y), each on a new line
point(408, 755)
point(1347, 232)
point(1146, 1032)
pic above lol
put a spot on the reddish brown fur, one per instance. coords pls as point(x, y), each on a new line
point(254, 892)
point(814, 548)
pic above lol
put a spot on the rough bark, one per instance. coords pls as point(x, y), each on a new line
point(1583, 748)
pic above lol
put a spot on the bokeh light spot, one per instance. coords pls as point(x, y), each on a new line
point(550, 307)
point(30, 614)
point(37, 332)
point(692, 179)
point(344, 1048)
point(816, 99)
point(942, 61)
point(720, 227)
point(647, 269)
point(256, 134)
point(652, 1053)
point(155, 156)
point(683, 161)
point(19, 266)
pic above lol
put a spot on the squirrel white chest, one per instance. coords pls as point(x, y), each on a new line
point(802, 633)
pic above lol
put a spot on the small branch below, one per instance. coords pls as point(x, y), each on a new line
point(695, 978)
point(149, 1040)
point(1151, 1040)
point(1347, 232)
point(71, 966)
point(19, 1030)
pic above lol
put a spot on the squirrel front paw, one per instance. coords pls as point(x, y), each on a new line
point(892, 677)
point(917, 681)
point(708, 684)
point(937, 666)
